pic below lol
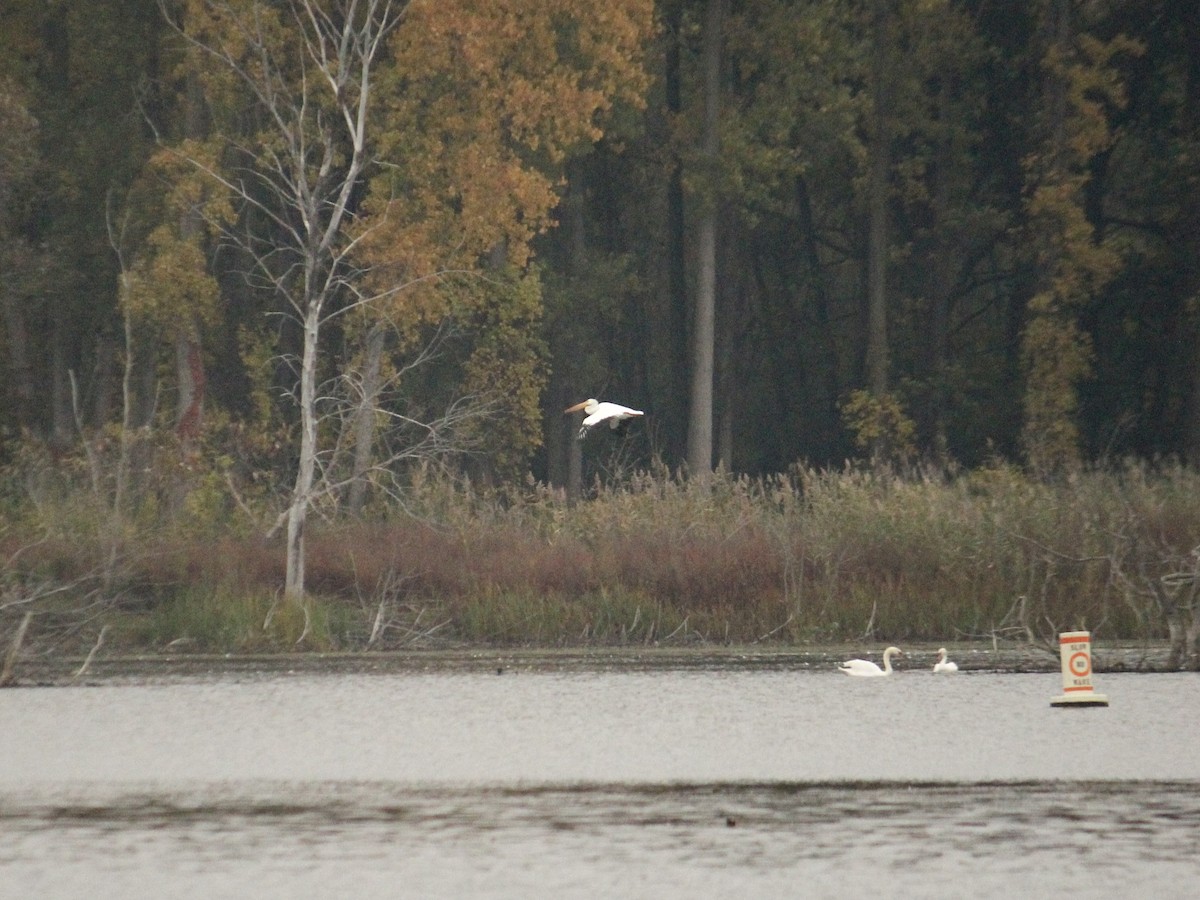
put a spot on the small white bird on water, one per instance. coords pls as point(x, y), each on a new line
point(864, 668)
point(597, 412)
point(944, 666)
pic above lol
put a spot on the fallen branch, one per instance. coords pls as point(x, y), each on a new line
point(782, 625)
point(682, 625)
point(14, 649)
point(92, 655)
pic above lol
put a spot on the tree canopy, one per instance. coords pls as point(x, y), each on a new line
point(940, 228)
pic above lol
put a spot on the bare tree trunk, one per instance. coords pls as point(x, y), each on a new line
point(574, 470)
point(675, 385)
point(189, 362)
point(700, 422)
point(189, 370)
point(364, 425)
point(124, 464)
point(1191, 235)
point(827, 354)
point(14, 651)
point(726, 355)
point(307, 464)
point(725, 406)
point(316, 162)
point(1192, 424)
point(573, 458)
point(941, 273)
point(556, 433)
point(62, 414)
point(880, 163)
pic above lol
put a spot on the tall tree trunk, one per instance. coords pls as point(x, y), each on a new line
point(675, 386)
point(877, 236)
point(189, 360)
point(556, 427)
point(189, 371)
point(1191, 232)
point(700, 422)
point(941, 272)
point(827, 370)
point(724, 401)
point(574, 470)
point(57, 76)
point(726, 351)
point(306, 466)
point(364, 423)
point(577, 268)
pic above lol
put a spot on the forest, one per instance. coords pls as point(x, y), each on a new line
point(284, 267)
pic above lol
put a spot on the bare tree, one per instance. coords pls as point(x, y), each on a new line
point(310, 70)
point(362, 454)
point(1157, 578)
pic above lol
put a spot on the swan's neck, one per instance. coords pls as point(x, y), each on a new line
point(887, 664)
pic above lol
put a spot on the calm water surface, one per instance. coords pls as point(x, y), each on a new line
point(697, 783)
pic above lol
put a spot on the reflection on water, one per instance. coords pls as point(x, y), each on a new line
point(584, 784)
point(1033, 840)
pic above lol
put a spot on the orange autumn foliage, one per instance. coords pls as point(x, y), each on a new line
point(483, 101)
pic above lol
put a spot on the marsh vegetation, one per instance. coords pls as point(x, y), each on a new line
point(810, 556)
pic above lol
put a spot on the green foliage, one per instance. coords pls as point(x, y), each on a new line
point(797, 111)
point(207, 620)
point(1056, 357)
point(507, 369)
point(1082, 85)
point(178, 212)
point(879, 425)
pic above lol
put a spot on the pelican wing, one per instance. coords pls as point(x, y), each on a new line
point(614, 413)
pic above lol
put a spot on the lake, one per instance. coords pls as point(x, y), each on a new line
point(708, 779)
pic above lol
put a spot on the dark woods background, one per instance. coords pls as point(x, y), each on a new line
point(926, 229)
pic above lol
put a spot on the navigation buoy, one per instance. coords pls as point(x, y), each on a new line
point(1075, 651)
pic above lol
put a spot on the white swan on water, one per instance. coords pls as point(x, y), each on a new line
point(944, 666)
point(864, 668)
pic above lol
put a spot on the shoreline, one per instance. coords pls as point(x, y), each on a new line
point(918, 660)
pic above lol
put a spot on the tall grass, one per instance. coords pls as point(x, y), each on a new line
point(809, 555)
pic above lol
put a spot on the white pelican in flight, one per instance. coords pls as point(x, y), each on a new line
point(597, 412)
point(864, 668)
point(943, 665)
